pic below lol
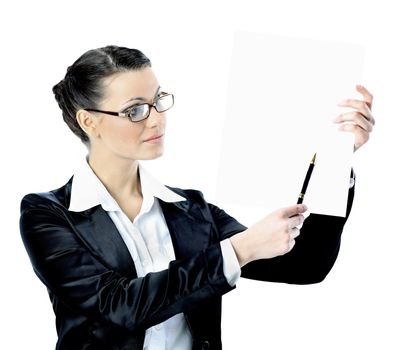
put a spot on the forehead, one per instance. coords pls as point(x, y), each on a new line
point(124, 86)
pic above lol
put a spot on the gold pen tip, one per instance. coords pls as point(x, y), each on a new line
point(313, 159)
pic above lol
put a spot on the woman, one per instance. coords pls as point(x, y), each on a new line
point(132, 264)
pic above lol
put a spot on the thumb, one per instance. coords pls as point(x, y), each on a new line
point(293, 210)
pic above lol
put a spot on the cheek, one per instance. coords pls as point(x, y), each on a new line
point(129, 135)
point(164, 121)
point(122, 135)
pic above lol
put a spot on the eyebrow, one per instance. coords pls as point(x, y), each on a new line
point(141, 98)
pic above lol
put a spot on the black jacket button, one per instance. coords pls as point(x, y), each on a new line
point(205, 345)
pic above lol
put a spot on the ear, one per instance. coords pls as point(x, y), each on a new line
point(88, 122)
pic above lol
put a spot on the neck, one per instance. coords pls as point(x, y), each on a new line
point(119, 175)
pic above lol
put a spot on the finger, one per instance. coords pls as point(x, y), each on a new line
point(295, 221)
point(291, 244)
point(360, 106)
point(368, 97)
point(361, 136)
point(357, 118)
point(292, 210)
point(294, 233)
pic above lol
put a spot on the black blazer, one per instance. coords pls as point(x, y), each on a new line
point(101, 304)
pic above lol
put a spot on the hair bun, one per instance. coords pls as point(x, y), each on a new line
point(58, 91)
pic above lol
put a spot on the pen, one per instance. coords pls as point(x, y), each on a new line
point(306, 181)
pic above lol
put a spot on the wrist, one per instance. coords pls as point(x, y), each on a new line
point(240, 245)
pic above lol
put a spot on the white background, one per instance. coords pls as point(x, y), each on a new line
point(189, 44)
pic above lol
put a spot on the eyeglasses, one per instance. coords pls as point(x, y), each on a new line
point(140, 112)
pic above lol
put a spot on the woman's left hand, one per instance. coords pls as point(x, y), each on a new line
point(361, 120)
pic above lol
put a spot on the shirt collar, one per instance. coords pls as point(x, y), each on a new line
point(88, 191)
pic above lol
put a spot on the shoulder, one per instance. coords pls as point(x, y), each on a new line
point(194, 198)
point(191, 195)
point(194, 203)
point(57, 197)
point(198, 207)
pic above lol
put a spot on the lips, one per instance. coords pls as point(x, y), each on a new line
point(153, 138)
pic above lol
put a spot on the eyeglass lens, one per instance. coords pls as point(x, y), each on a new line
point(141, 112)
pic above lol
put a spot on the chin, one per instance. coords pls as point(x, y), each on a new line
point(153, 155)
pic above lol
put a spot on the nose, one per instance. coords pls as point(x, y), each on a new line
point(155, 119)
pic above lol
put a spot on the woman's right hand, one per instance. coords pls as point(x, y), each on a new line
point(270, 237)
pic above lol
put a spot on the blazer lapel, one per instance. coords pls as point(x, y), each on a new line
point(97, 230)
point(189, 233)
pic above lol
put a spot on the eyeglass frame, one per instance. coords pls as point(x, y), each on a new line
point(125, 115)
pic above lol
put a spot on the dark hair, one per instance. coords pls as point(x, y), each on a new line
point(82, 84)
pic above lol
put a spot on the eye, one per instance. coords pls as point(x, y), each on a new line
point(134, 110)
point(137, 112)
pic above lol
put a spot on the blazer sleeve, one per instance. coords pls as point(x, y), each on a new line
point(312, 257)
point(69, 270)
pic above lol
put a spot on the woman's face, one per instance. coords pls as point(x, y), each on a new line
point(126, 139)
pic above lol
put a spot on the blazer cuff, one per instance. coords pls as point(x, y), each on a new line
point(352, 179)
point(231, 268)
